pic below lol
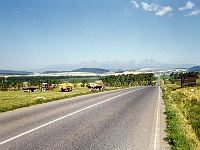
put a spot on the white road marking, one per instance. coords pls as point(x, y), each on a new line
point(157, 132)
point(53, 121)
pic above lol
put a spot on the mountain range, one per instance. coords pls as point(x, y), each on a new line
point(95, 67)
point(110, 65)
point(13, 72)
point(194, 68)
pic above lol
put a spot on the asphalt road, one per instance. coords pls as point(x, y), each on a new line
point(128, 119)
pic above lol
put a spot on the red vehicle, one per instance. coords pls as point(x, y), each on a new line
point(45, 87)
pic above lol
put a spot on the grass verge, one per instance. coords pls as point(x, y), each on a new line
point(183, 117)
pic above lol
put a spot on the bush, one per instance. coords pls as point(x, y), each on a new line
point(198, 82)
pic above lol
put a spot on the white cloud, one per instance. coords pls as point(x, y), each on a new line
point(149, 7)
point(163, 11)
point(189, 5)
point(193, 13)
point(136, 5)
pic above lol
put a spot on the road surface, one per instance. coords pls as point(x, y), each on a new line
point(127, 119)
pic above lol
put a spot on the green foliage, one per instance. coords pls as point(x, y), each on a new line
point(75, 82)
point(144, 79)
point(84, 82)
point(164, 76)
point(193, 115)
point(172, 87)
point(191, 110)
point(183, 133)
point(15, 83)
point(121, 80)
point(175, 136)
point(198, 82)
point(174, 76)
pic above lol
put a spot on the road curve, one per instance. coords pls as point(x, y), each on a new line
point(116, 120)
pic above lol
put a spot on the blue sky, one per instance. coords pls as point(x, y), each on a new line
point(38, 33)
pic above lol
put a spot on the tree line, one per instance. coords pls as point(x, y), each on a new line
point(16, 83)
point(143, 79)
point(174, 76)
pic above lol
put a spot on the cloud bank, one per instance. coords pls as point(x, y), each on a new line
point(149, 7)
point(193, 13)
point(159, 10)
point(189, 5)
point(163, 10)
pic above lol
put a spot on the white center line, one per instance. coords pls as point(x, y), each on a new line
point(53, 121)
point(157, 132)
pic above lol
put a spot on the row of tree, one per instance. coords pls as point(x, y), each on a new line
point(16, 83)
point(129, 80)
point(174, 76)
point(40, 78)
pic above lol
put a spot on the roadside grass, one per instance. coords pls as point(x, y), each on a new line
point(183, 116)
point(198, 82)
point(10, 100)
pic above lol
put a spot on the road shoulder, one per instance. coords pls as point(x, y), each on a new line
point(163, 144)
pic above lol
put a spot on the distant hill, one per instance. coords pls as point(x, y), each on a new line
point(92, 70)
point(195, 68)
point(133, 64)
point(49, 72)
point(12, 72)
point(113, 65)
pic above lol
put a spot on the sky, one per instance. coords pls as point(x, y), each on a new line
point(38, 33)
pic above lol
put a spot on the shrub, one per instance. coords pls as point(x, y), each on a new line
point(198, 82)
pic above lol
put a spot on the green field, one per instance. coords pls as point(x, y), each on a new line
point(11, 97)
point(10, 100)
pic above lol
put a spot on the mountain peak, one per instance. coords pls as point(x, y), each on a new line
point(133, 64)
point(92, 70)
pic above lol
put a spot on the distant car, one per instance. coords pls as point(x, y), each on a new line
point(45, 87)
point(98, 85)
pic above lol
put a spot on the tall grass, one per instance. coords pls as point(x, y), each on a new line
point(198, 82)
point(183, 116)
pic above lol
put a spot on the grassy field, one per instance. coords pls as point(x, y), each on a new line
point(10, 100)
point(183, 116)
